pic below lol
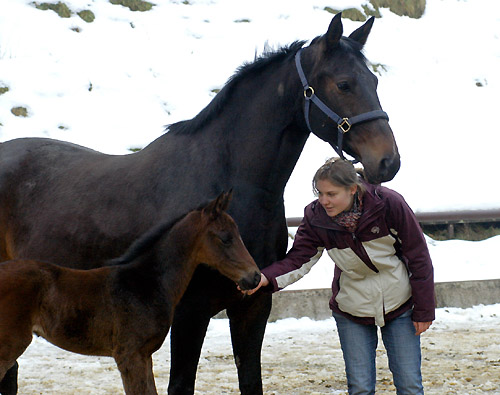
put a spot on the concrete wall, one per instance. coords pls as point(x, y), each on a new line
point(313, 303)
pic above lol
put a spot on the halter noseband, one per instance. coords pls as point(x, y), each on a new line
point(343, 124)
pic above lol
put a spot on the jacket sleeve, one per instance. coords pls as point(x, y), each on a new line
point(414, 249)
point(305, 252)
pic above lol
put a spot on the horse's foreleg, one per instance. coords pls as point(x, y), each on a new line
point(248, 321)
point(206, 296)
point(186, 340)
point(8, 384)
point(137, 374)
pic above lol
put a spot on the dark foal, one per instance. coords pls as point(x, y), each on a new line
point(123, 310)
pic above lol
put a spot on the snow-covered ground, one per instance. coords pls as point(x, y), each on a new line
point(461, 355)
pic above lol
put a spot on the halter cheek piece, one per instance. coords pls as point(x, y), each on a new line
point(343, 124)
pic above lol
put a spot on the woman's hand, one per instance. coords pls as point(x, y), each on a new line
point(420, 327)
point(263, 282)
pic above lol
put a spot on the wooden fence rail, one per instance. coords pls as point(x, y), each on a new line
point(440, 217)
point(449, 218)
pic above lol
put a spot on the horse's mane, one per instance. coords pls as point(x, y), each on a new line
point(245, 71)
point(147, 240)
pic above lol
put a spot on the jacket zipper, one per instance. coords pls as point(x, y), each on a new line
point(365, 257)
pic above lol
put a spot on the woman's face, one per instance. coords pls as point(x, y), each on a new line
point(334, 198)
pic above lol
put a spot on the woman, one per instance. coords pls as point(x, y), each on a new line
point(383, 273)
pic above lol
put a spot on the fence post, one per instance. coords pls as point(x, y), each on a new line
point(451, 231)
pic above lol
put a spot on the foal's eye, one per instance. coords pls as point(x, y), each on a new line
point(226, 239)
point(343, 86)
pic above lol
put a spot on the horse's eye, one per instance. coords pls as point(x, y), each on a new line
point(343, 86)
point(226, 239)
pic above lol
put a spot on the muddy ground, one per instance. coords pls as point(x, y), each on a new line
point(299, 357)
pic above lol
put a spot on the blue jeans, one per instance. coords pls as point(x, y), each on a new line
point(359, 344)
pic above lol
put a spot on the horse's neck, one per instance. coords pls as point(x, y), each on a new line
point(266, 140)
point(255, 139)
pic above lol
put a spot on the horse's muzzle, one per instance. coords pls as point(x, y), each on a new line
point(382, 171)
point(389, 167)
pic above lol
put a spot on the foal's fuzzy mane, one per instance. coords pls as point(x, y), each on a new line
point(148, 239)
point(247, 70)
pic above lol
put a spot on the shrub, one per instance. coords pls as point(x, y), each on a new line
point(87, 15)
point(19, 111)
point(60, 9)
point(414, 9)
point(134, 5)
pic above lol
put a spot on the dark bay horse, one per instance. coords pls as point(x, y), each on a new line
point(123, 310)
point(67, 204)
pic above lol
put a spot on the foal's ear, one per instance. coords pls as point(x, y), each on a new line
point(218, 205)
point(226, 199)
point(334, 32)
point(361, 33)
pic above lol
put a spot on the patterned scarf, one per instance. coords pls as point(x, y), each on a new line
point(349, 219)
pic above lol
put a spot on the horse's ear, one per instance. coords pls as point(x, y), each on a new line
point(361, 33)
point(334, 33)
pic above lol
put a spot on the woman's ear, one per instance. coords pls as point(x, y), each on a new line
point(353, 189)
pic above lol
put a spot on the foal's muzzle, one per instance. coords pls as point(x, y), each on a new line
point(250, 281)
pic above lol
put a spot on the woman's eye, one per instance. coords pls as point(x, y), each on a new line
point(343, 86)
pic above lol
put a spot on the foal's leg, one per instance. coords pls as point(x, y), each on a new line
point(8, 384)
point(248, 321)
point(137, 374)
point(12, 346)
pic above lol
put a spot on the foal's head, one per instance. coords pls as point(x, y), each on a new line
point(220, 245)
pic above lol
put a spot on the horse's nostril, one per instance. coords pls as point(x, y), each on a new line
point(388, 168)
point(385, 164)
point(256, 279)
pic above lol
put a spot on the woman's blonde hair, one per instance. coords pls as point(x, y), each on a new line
point(339, 172)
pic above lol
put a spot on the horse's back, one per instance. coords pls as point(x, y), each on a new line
point(22, 148)
point(46, 191)
point(21, 160)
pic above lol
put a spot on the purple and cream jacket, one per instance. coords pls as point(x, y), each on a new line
point(382, 269)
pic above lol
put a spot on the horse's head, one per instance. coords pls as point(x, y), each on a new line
point(336, 71)
point(222, 247)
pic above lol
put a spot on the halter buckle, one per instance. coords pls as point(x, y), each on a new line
point(308, 92)
point(345, 126)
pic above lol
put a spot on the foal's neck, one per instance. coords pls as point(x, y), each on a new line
point(172, 261)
